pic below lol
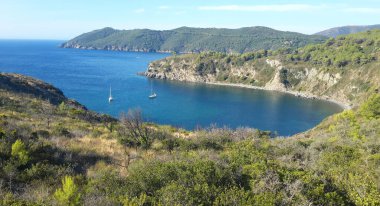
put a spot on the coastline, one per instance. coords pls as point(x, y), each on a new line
point(63, 46)
point(343, 105)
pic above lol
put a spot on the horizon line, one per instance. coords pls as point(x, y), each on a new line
point(232, 28)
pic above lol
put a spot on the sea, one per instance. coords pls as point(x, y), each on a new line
point(87, 75)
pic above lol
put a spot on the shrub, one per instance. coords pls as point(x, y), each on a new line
point(19, 151)
point(60, 130)
point(69, 193)
point(371, 108)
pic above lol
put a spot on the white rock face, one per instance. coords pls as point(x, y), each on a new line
point(273, 63)
point(275, 83)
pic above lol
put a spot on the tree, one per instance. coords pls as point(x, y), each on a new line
point(170, 144)
point(136, 129)
point(234, 196)
point(11, 171)
point(127, 141)
point(284, 77)
point(19, 151)
point(371, 108)
point(134, 133)
point(69, 193)
point(48, 113)
point(62, 108)
point(108, 121)
point(135, 201)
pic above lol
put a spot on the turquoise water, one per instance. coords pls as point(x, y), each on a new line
point(86, 75)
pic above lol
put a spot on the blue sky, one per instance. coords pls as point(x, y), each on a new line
point(64, 19)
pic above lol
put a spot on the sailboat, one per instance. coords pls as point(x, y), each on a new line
point(152, 94)
point(110, 99)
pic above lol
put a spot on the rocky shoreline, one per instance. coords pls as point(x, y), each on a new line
point(185, 73)
point(113, 48)
point(343, 105)
point(67, 45)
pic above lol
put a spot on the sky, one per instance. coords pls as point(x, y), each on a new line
point(65, 19)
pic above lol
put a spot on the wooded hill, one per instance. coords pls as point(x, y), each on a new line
point(344, 30)
point(344, 69)
point(191, 40)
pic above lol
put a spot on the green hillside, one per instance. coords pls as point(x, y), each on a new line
point(189, 40)
point(344, 30)
point(61, 154)
point(343, 69)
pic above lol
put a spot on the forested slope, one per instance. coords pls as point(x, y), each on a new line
point(191, 40)
point(344, 69)
point(344, 30)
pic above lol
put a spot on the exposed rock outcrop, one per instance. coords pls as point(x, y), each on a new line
point(27, 85)
point(275, 83)
point(341, 86)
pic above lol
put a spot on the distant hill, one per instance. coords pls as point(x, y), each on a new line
point(344, 30)
point(191, 40)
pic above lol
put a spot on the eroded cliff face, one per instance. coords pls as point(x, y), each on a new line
point(190, 70)
point(306, 80)
point(182, 71)
point(276, 83)
point(345, 86)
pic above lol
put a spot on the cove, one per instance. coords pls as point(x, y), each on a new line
point(86, 75)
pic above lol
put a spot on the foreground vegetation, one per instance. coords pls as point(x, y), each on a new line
point(62, 154)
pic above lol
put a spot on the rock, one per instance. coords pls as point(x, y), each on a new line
point(275, 83)
point(27, 85)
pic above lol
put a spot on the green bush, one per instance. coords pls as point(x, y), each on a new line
point(60, 130)
point(355, 49)
point(19, 152)
point(69, 193)
point(371, 108)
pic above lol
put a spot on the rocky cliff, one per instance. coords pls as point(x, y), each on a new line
point(348, 86)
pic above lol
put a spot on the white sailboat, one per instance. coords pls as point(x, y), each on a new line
point(110, 99)
point(152, 94)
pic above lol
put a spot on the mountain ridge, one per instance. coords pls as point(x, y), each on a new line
point(191, 40)
point(344, 30)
